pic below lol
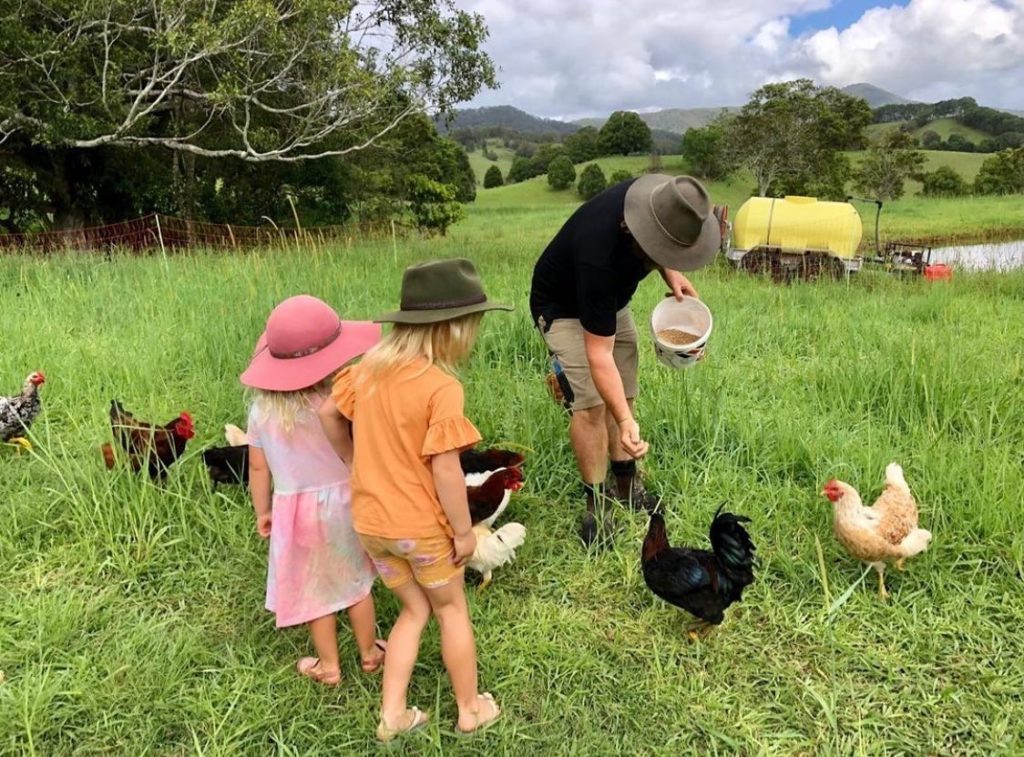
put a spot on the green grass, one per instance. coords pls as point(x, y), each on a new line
point(132, 620)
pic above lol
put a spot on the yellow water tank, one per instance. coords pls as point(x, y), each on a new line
point(797, 224)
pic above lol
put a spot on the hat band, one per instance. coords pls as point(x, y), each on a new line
point(668, 233)
point(476, 299)
point(309, 350)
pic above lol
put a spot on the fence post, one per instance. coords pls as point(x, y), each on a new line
point(160, 234)
point(232, 235)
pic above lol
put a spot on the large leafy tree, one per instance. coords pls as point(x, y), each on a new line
point(791, 136)
point(582, 145)
point(260, 80)
point(705, 150)
point(178, 89)
point(1003, 173)
point(561, 173)
point(888, 164)
point(624, 133)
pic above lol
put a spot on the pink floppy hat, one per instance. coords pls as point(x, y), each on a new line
point(305, 342)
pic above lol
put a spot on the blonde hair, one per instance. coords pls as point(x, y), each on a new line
point(444, 344)
point(289, 408)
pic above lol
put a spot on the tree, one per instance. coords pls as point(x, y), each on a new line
point(493, 178)
point(931, 140)
point(624, 132)
point(705, 150)
point(944, 182)
point(889, 163)
point(521, 170)
point(190, 86)
point(433, 204)
point(1003, 173)
point(959, 143)
point(791, 136)
point(582, 145)
point(260, 80)
point(619, 176)
point(561, 173)
point(592, 181)
point(542, 158)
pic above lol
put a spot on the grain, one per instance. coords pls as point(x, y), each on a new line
point(677, 337)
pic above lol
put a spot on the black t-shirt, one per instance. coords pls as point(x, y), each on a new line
point(589, 270)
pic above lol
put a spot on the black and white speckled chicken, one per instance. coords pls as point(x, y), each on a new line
point(18, 413)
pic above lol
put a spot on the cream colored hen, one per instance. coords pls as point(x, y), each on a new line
point(495, 548)
point(887, 532)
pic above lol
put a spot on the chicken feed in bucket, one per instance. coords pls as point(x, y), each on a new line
point(680, 330)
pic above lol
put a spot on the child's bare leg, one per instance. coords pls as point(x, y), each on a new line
point(458, 648)
point(324, 633)
point(403, 649)
point(362, 616)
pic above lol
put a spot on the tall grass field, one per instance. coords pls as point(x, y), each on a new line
point(131, 614)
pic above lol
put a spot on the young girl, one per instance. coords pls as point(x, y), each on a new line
point(409, 507)
point(316, 564)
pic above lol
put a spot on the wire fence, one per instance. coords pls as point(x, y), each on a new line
point(157, 231)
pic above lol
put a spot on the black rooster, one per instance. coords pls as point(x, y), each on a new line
point(699, 581)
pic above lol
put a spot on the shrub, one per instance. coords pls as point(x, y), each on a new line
point(493, 178)
point(944, 182)
point(591, 181)
point(619, 176)
point(561, 173)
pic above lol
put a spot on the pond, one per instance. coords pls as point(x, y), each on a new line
point(992, 257)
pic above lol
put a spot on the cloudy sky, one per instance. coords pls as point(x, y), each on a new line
point(573, 58)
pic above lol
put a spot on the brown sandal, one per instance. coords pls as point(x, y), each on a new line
point(372, 666)
point(306, 666)
point(417, 720)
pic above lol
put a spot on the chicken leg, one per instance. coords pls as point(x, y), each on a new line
point(20, 443)
point(699, 630)
point(880, 569)
point(486, 582)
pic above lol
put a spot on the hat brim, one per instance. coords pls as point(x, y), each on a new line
point(639, 217)
point(436, 316)
point(292, 374)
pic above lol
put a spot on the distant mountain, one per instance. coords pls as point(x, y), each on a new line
point(675, 121)
point(876, 96)
point(507, 117)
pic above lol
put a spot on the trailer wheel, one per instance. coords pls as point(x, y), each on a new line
point(763, 263)
point(817, 265)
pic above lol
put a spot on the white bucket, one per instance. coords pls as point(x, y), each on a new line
point(690, 316)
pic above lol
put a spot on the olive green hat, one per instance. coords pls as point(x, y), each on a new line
point(673, 220)
point(440, 290)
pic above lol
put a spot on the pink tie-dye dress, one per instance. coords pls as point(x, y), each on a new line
point(316, 564)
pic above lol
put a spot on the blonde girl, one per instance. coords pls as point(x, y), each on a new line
point(300, 489)
point(405, 408)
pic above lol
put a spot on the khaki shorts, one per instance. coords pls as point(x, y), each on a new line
point(430, 561)
point(565, 341)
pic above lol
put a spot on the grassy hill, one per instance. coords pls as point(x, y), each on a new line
point(963, 219)
point(480, 164)
point(944, 127)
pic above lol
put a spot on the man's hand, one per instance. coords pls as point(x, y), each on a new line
point(465, 546)
point(679, 284)
point(629, 437)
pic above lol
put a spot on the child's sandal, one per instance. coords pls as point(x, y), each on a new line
point(417, 719)
point(482, 723)
point(372, 666)
point(307, 667)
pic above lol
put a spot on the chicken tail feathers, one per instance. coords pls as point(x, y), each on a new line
point(732, 545)
point(894, 478)
point(108, 455)
point(499, 547)
point(916, 542)
point(235, 436)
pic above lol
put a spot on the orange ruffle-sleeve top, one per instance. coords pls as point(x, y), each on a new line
point(399, 422)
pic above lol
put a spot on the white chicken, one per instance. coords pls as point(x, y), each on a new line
point(887, 532)
point(494, 549)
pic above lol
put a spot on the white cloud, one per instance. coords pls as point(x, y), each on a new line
point(567, 58)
